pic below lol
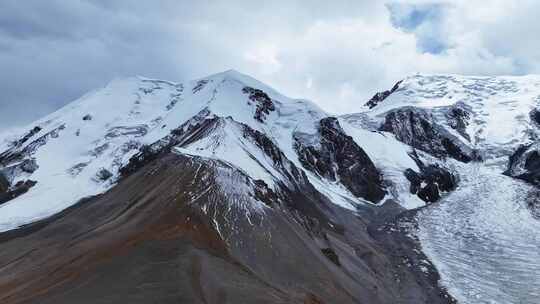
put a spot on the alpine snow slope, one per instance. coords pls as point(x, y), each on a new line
point(483, 237)
point(222, 190)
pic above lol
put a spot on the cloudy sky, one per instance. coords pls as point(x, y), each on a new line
point(337, 53)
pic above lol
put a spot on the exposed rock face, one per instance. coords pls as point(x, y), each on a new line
point(103, 175)
point(264, 104)
point(381, 96)
point(430, 182)
point(533, 203)
point(27, 136)
point(9, 174)
point(196, 128)
point(27, 166)
point(535, 116)
point(200, 85)
point(19, 188)
point(458, 119)
point(136, 131)
point(335, 156)
point(525, 164)
point(4, 184)
point(331, 255)
point(417, 128)
point(17, 153)
point(296, 177)
point(293, 180)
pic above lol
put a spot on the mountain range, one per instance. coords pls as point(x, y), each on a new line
point(223, 190)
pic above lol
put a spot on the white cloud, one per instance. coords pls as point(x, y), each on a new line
point(336, 53)
point(266, 57)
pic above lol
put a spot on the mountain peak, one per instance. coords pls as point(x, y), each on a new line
point(230, 74)
point(84, 144)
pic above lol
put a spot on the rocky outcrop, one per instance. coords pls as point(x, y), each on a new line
point(381, 96)
point(458, 119)
point(263, 102)
point(331, 255)
point(431, 182)
point(532, 200)
point(19, 149)
point(334, 155)
point(27, 136)
point(16, 190)
point(25, 167)
point(418, 129)
point(12, 179)
point(295, 176)
point(135, 131)
point(524, 164)
point(4, 184)
point(194, 129)
point(103, 175)
point(200, 85)
point(535, 116)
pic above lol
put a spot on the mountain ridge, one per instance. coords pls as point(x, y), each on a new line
point(151, 109)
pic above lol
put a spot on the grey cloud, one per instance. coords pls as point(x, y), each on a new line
point(337, 53)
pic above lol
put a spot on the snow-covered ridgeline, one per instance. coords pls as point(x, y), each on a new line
point(93, 137)
point(482, 237)
point(498, 107)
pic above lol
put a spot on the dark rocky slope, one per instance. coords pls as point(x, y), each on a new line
point(167, 233)
point(524, 164)
point(431, 181)
point(417, 128)
point(381, 96)
point(335, 156)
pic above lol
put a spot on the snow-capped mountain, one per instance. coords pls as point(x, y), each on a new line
point(272, 193)
point(80, 150)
